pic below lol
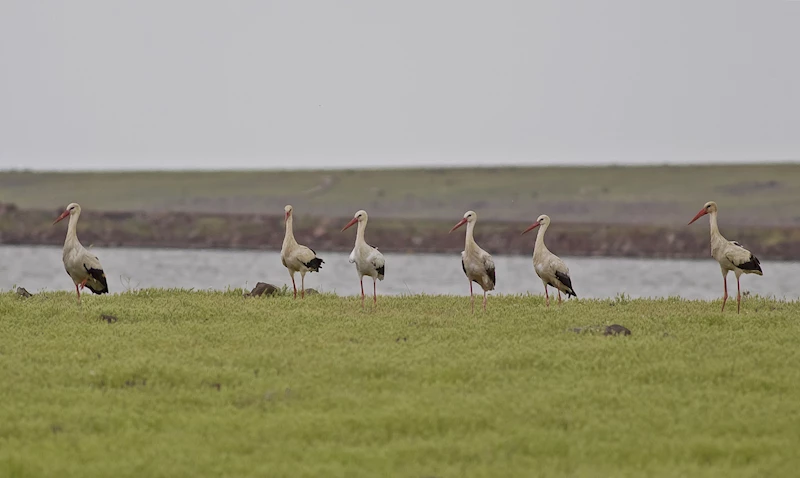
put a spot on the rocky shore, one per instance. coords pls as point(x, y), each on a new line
point(265, 232)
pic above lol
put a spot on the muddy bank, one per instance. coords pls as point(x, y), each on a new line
point(263, 231)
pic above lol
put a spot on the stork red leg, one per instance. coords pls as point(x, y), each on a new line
point(78, 292)
point(302, 286)
point(294, 287)
point(738, 296)
point(83, 283)
point(559, 297)
point(546, 296)
point(362, 292)
point(725, 296)
point(484, 301)
point(471, 297)
point(374, 291)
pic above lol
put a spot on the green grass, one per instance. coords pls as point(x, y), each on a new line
point(212, 384)
point(764, 194)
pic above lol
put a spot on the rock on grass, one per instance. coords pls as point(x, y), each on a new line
point(616, 329)
point(262, 288)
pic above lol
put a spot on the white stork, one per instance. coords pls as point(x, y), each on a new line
point(296, 257)
point(548, 266)
point(477, 263)
point(83, 267)
point(368, 260)
point(730, 255)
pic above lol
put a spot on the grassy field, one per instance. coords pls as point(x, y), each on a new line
point(213, 384)
point(747, 194)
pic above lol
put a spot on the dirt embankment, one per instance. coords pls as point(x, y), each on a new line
point(259, 231)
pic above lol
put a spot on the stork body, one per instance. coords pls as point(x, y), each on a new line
point(476, 263)
point(83, 267)
point(548, 266)
point(730, 255)
point(368, 260)
point(296, 257)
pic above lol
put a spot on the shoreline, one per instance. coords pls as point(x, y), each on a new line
point(215, 231)
point(327, 251)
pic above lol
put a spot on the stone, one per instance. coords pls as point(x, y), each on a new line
point(616, 329)
point(262, 288)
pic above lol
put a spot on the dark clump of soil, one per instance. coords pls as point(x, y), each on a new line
point(616, 330)
point(262, 288)
point(108, 318)
point(311, 291)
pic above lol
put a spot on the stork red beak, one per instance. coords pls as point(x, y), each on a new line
point(62, 216)
point(533, 226)
point(352, 221)
point(700, 214)
point(460, 223)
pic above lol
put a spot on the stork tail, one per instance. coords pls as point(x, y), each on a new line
point(315, 264)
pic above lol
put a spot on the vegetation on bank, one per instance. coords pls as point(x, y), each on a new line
point(748, 195)
point(601, 211)
point(186, 383)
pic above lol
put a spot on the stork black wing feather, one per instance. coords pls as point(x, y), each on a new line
point(99, 276)
point(752, 265)
point(564, 278)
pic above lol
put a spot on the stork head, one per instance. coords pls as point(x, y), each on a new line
point(708, 208)
point(288, 210)
point(469, 216)
point(360, 216)
point(543, 220)
point(72, 209)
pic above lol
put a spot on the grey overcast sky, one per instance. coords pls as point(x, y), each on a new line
point(98, 84)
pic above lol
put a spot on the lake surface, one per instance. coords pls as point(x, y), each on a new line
point(39, 268)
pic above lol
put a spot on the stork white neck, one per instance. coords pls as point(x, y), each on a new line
point(469, 240)
point(72, 229)
point(540, 236)
point(288, 237)
point(712, 219)
point(362, 226)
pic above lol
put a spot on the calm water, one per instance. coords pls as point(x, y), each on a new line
point(40, 268)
